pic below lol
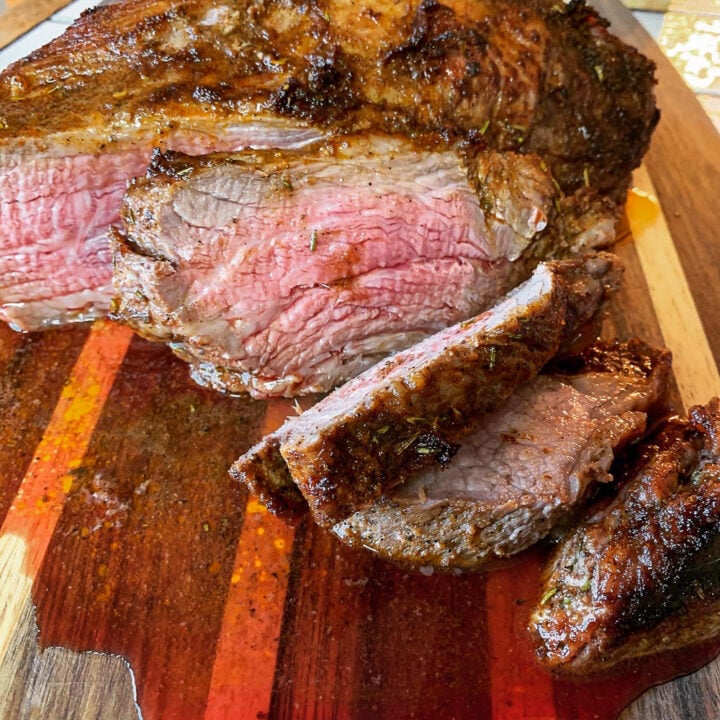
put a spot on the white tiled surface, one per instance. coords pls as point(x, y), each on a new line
point(651, 21)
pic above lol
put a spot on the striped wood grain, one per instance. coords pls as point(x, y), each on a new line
point(326, 632)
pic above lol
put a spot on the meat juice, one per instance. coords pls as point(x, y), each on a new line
point(145, 563)
point(599, 697)
point(442, 645)
point(359, 633)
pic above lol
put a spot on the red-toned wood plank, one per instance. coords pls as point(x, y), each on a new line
point(317, 667)
point(604, 696)
point(143, 555)
point(520, 688)
point(424, 646)
point(365, 639)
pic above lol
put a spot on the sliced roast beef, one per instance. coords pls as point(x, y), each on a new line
point(286, 273)
point(80, 116)
point(524, 469)
point(408, 412)
point(640, 575)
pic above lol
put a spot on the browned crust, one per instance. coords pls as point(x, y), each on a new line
point(619, 586)
point(541, 77)
point(264, 472)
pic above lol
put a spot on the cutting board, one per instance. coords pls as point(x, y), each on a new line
point(136, 579)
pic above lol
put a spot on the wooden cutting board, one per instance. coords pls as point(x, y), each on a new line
point(159, 587)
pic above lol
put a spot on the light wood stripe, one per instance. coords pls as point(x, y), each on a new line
point(31, 519)
point(49, 478)
point(695, 370)
point(244, 668)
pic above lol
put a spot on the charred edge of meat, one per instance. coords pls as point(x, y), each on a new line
point(629, 120)
point(435, 447)
point(435, 34)
point(174, 165)
point(266, 475)
point(633, 579)
point(326, 94)
point(638, 360)
point(122, 242)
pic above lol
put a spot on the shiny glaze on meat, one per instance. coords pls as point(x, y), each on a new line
point(636, 578)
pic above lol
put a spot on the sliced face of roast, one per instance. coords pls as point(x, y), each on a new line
point(56, 209)
point(640, 576)
point(80, 117)
point(407, 413)
point(287, 273)
point(526, 466)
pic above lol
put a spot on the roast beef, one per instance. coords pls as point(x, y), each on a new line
point(80, 116)
point(526, 468)
point(408, 412)
point(286, 273)
point(640, 575)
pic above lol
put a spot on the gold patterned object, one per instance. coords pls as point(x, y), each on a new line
point(690, 37)
point(692, 43)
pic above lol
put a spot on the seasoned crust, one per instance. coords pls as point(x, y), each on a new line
point(525, 469)
point(542, 77)
point(636, 578)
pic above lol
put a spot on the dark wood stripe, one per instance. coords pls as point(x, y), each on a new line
point(141, 560)
point(33, 368)
point(363, 638)
point(425, 653)
point(317, 661)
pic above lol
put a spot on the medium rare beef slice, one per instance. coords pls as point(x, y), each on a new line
point(80, 117)
point(527, 466)
point(408, 412)
point(286, 273)
point(639, 575)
